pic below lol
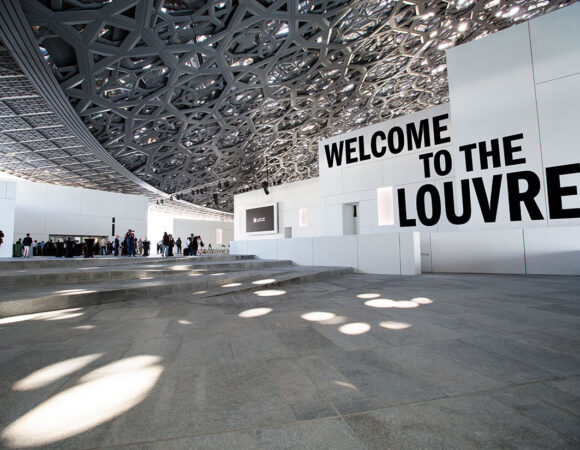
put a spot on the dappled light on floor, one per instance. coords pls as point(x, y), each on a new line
point(54, 372)
point(346, 385)
point(318, 316)
point(229, 285)
point(355, 328)
point(422, 300)
point(184, 322)
point(269, 293)
point(200, 292)
point(218, 273)
point(369, 295)
point(66, 316)
point(255, 312)
point(84, 327)
point(387, 303)
point(74, 292)
point(146, 278)
point(100, 396)
point(394, 325)
point(38, 316)
point(265, 281)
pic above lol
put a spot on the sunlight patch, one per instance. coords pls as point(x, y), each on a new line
point(255, 312)
point(422, 300)
point(318, 316)
point(355, 328)
point(369, 295)
point(265, 281)
point(54, 372)
point(92, 402)
point(394, 325)
point(269, 293)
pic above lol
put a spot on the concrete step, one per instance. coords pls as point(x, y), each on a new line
point(43, 262)
point(138, 270)
point(26, 300)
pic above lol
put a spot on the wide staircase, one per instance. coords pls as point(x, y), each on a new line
point(45, 284)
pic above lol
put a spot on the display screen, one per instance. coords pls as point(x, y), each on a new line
point(261, 219)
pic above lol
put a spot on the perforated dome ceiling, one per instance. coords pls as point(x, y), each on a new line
point(197, 98)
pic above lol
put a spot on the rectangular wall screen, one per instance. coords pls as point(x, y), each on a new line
point(262, 220)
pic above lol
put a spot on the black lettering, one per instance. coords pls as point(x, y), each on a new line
point(487, 205)
point(396, 148)
point(334, 154)
point(350, 150)
point(438, 129)
point(468, 156)
point(435, 202)
point(378, 153)
point(417, 137)
point(527, 197)
point(509, 150)
point(556, 191)
point(425, 158)
point(450, 203)
point(403, 220)
point(361, 149)
point(446, 156)
point(484, 154)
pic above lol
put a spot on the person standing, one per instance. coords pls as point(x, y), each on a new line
point(194, 245)
point(27, 243)
point(171, 245)
point(69, 248)
point(146, 247)
point(89, 243)
point(165, 246)
point(116, 246)
point(178, 243)
point(103, 243)
point(139, 247)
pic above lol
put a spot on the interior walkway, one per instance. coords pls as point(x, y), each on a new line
point(357, 361)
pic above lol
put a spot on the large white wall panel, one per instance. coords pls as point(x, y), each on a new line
point(379, 253)
point(7, 211)
point(336, 251)
point(556, 43)
point(362, 177)
point(67, 200)
point(410, 245)
point(553, 251)
point(239, 248)
point(264, 248)
point(44, 209)
point(559, 116)
point(71, 224)
point(300, 251)
point(492, 91)
point(496, 251)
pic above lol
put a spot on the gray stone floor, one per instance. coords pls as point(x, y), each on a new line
point(360, 361)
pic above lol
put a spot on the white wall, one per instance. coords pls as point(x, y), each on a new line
point(7, 210)
point(204, 228)
point(524, 80)
point(391, 253)
point(291, 198)
point(44, 209)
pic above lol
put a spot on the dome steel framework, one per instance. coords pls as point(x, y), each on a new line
point(197, 97)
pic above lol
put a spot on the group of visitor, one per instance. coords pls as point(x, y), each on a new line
point(168, 245)
point(128, 245)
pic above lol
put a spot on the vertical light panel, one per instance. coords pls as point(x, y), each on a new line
point(385, 206)
point(218, 236)
point(303, 217)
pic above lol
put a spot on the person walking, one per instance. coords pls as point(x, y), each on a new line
point(27, 243)
point(103, 243)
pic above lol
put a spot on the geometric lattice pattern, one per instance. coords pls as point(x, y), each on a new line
point(34, 143)
point(197, 97)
